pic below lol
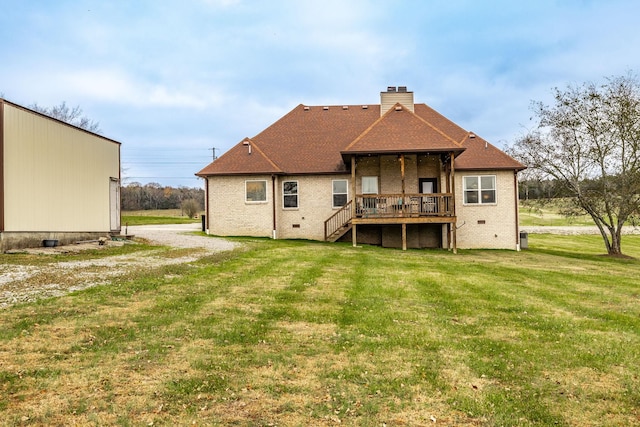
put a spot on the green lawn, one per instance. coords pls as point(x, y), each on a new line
point(306, 333)
point(536, 213)
point(152, 217)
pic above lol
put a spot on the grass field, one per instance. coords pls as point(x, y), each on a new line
point(535, 213)
point(160, 216)
point(305, 333)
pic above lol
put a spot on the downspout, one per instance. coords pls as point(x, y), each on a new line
point(453, 202)
point(273, 202)
point(206, 204)
point(517, 197)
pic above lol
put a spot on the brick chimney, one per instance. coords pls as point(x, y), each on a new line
point(393, 95)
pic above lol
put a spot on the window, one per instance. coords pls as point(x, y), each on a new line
point(479, 189)
point(369, 185)
point(290, 194)
point(340, 194)
point(255, 191)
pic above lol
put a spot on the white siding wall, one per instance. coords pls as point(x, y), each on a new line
point(56, 177)
point(499, 230)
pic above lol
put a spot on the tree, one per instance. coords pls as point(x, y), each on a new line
point(589, 142)
point(191, 207)
point(72, 116)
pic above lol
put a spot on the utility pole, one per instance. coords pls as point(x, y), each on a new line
point(214, 152)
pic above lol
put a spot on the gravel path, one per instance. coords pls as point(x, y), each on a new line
point(573, 230)
point(173, 235)
point(26, 283)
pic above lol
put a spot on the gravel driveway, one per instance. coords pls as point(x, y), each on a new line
point(26, 283)
point(173, 235)
point(573, 230)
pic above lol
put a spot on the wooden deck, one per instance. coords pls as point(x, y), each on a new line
point(406, 208)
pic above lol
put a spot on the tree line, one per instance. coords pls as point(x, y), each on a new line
point(135, 196)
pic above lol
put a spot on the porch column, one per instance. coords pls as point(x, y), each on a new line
point(402, 172)
point(354, 238)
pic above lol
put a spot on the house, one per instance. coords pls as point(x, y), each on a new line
point(57, 181)
point(398, 174)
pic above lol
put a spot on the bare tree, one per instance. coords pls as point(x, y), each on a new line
point(72, 116)
point(589, 141)
point(190, 207)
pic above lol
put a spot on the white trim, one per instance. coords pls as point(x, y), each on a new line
point(297, 195)
point(333, 193)
point(479, 190)
point(266, 197)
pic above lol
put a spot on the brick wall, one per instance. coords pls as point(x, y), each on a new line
point(488, 226)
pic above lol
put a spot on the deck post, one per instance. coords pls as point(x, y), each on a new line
point(404, 236)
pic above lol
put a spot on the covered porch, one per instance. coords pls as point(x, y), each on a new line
point(405, 209)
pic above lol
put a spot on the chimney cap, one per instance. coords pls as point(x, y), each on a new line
point(391, 88)
point(402, 88)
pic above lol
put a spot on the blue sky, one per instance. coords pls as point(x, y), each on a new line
point(171, 80)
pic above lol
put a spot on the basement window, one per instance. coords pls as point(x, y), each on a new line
point(255, 191)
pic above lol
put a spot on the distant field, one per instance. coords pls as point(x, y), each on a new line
point(549, 214)
point(159, 216)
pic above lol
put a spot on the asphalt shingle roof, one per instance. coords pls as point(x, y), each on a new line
point(314, 139)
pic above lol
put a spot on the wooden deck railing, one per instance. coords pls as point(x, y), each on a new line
point(337, 221)
point(404, 205)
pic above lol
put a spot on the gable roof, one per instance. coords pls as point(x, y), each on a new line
point(319, 139)
point(400, 130)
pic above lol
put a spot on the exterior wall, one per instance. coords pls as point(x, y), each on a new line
point(315, 200)
point(488, 226)
point(388, 169)
point(229, 212)
point(56, 177)
point(230, 215)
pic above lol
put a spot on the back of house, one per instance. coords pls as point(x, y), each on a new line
point(397, 174)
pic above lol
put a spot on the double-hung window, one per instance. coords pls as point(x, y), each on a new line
point(255, 191)
point(290, 194)
point(340, 192)
point(479, 190)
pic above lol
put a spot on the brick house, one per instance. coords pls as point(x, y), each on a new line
point(398, 174)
